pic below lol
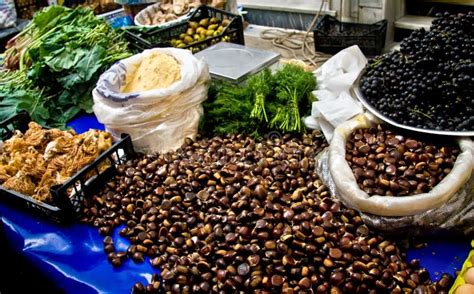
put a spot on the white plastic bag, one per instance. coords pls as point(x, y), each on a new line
point(448, 206)
point(157, 120)
point(334, 103)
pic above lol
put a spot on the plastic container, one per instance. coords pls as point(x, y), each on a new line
point(69, 197)
point(331, 36)
point(152, 10)
point(117, 18)
point(161, 37)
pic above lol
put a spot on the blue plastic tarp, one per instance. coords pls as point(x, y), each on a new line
point(72, 256)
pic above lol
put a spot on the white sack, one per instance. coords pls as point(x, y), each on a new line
point(354, 197)
point(157, 120)
point(447, 208)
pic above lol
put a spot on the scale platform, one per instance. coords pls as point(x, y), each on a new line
point(234, 62)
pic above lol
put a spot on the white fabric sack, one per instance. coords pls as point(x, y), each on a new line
point(335, 79)
point(350, 193)
point(157, 120)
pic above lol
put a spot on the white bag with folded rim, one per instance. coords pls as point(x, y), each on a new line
point(157, 120)
point(447, 206)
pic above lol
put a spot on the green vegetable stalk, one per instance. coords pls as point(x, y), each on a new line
point(293, 92)
point(260, 85)
point(227, 110)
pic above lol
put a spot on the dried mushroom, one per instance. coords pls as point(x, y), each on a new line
point(33, 162)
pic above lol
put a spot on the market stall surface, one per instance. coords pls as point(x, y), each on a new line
point(71, 259)
point(42, 256)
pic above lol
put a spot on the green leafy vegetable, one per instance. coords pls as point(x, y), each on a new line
point(293, 87)
point(54, 63)
point(227, 110)
point(268, 102)
point(23, 96)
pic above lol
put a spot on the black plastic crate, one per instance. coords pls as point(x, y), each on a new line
point(25, 9)
point(141, 38)
point(69, 197)
point(331, 36)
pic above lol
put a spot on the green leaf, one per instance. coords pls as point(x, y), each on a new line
point(69, 114)
point(65, 58)
point(69, 81)
point(48, 15)
point(40, 114)
point(30, 101)
point(86, 102)
point(91, 62)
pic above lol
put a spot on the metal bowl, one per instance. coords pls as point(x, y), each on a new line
point(360, 96)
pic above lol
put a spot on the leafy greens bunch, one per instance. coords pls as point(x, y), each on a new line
point(267, 102)
point(53, 64)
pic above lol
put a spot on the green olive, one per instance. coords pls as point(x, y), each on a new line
point(188, 40)
point(199, 30)
point(225, 22)
point(193, 24)
point(190, 31)
point(212, 27)
point(204, 22)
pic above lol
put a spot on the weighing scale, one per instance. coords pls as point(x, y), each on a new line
point(234, 62)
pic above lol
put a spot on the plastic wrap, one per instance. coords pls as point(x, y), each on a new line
point(448, 206)
point(157, 120)
point(7, 14)
point(334, 103)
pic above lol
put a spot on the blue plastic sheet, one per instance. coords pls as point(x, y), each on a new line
point(73, 257)
point(442, 255)
point(84, 122)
